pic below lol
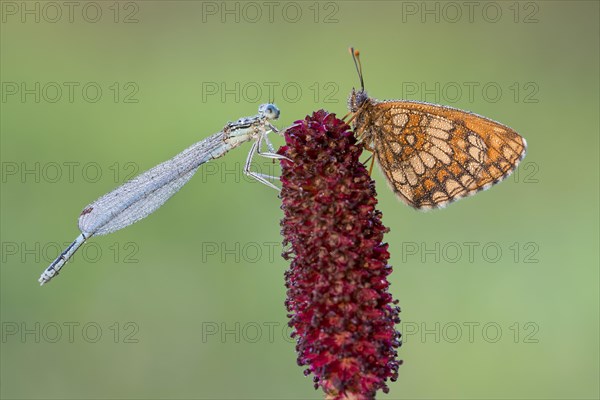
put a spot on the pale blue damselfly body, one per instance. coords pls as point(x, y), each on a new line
point(144, 194)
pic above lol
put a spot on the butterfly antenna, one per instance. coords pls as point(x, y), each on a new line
point(358, 65)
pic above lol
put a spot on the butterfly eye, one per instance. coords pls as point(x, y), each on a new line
point(352, 101)
point(357, 99)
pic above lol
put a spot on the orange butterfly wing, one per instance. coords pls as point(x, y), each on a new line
point(433, 155)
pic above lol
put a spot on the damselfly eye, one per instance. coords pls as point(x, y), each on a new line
point(269, 110)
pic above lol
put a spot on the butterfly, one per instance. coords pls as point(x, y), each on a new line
point(432, 155)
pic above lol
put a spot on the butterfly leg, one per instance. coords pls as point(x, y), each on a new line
point(368, 148)
point(372, 159)
point(346, 116)
point(371, 167)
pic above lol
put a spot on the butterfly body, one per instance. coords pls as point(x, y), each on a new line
point(432, 155)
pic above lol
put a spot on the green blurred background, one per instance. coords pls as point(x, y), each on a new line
point(499, 293)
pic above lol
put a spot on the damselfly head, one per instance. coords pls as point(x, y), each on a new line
point(269, 111)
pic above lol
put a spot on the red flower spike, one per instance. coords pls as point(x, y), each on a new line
point(342, 315)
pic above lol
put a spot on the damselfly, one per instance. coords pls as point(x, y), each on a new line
point(144, 194)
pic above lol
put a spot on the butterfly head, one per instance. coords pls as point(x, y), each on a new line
point(357, 99)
